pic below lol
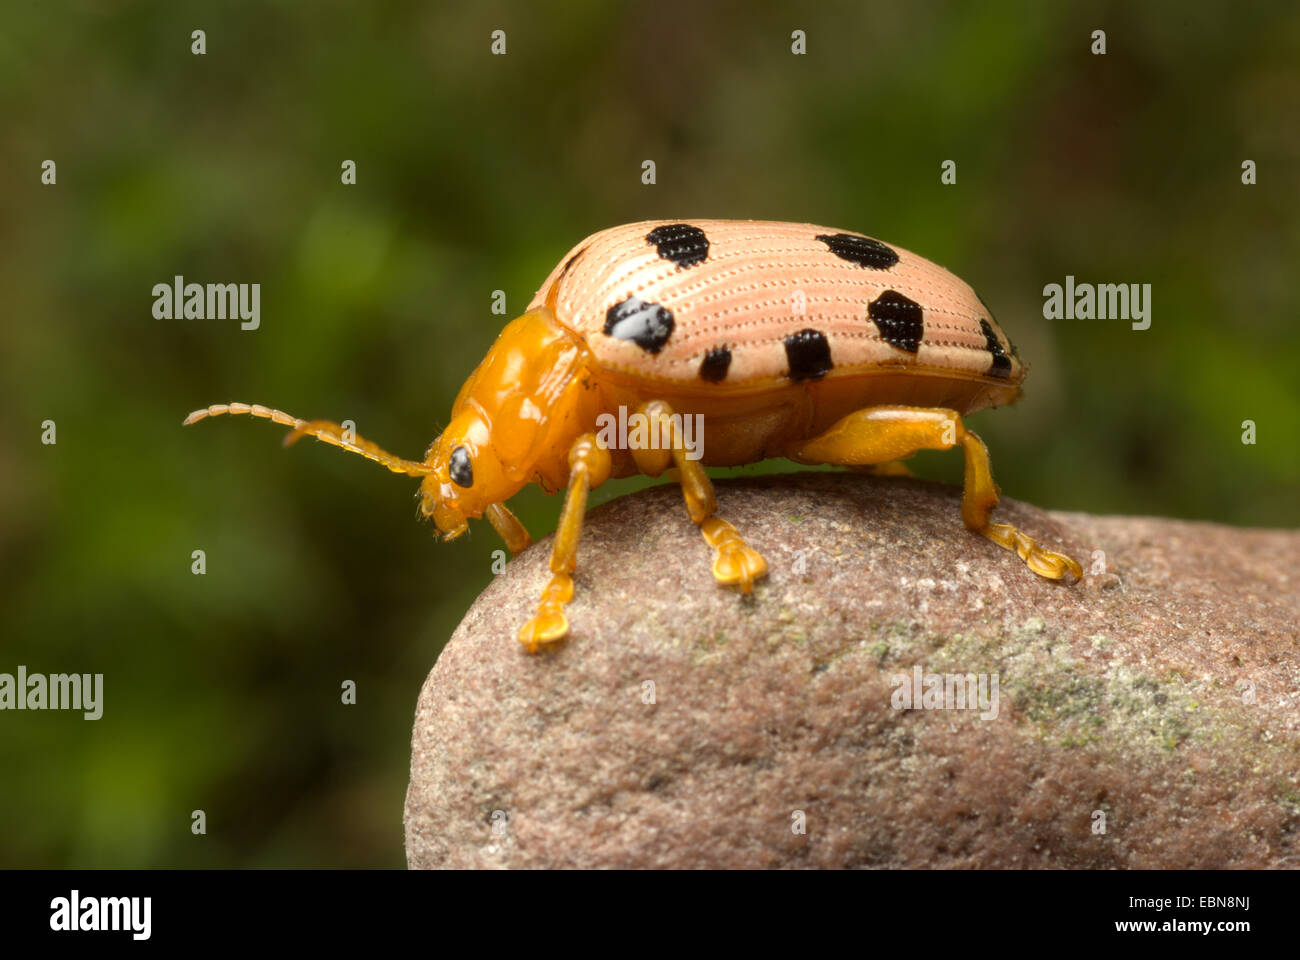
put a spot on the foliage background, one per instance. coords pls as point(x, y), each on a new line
point(475, 173)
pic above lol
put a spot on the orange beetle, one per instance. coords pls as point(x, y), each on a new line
point(769, 339)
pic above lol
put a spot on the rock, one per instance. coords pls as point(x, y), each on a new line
point(1147, 716)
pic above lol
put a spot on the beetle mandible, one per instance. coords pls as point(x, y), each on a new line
point(789, 340)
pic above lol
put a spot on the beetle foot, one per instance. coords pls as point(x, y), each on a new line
point(1045, 563)
point(550, 625)
point(736, 562)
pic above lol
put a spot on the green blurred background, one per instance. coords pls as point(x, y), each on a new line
point(475, 173)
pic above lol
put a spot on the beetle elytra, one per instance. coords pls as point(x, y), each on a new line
point(788, 340)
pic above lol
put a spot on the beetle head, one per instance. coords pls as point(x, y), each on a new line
point(466, 476)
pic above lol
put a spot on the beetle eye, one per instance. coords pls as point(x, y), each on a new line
point(462, 474)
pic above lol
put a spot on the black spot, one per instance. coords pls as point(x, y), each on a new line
point(1011, 343)
point(648, 325)
point(462, 473)
point(863, 251)
point(681, 243)
point(1001, 366)
point(809, 355)
point(898, 319)
point(568, 264)
point(715, 364)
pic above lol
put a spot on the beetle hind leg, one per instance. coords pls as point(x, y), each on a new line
point(878, 435)
point(735, 562)
point(980, 496)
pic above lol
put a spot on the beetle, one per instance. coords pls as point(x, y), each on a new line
point(789, 340)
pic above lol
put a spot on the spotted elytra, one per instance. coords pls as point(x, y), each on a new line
point(789, 340)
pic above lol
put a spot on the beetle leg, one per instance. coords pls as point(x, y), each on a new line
point(589, 466)
point(735, 563)
point(508, 527)
point(877, 435)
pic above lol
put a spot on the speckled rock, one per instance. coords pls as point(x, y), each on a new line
point(1148, 716)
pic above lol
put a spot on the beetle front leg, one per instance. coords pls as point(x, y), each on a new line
point(881, 434)
point(735, 563)
point(508, 528)
point(589, 466)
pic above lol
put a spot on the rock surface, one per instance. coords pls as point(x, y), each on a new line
point(1148, 716)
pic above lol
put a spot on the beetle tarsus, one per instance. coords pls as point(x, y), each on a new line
point(736, 562)
point(549, 625)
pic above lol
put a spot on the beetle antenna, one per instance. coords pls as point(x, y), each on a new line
point(325, 430)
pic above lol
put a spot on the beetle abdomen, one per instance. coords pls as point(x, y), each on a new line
point(731, 305)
